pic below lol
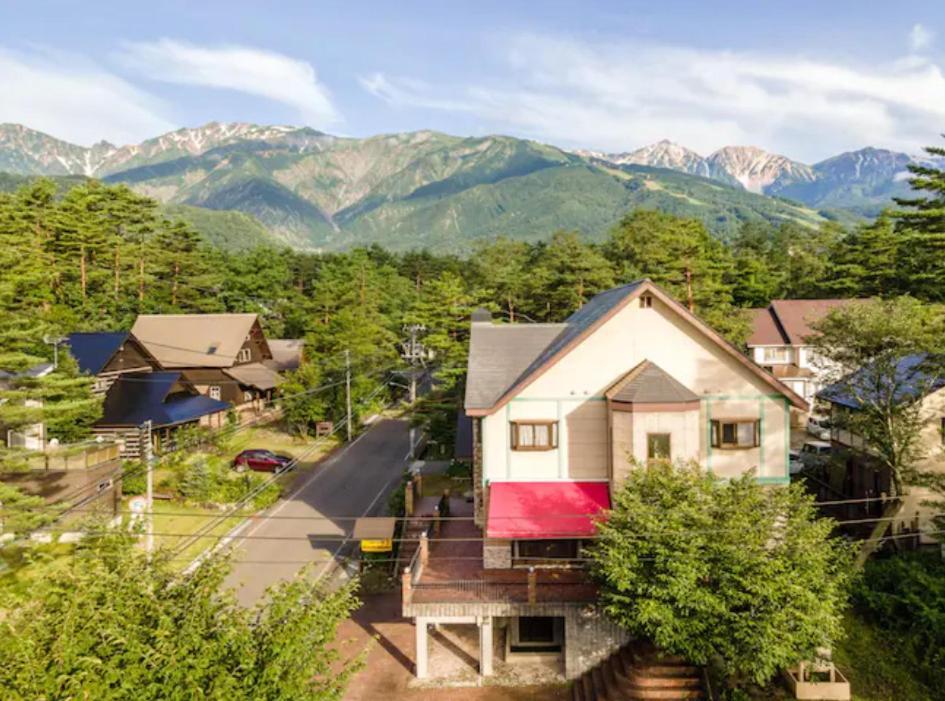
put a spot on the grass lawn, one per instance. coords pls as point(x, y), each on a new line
point(877, 667)
point(181, 519)
point(271, 438)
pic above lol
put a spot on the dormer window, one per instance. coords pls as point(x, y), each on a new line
point(646, 301)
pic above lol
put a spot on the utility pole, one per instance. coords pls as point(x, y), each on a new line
point(415, 354)
point(55, 342)
point(348, 390)
point(147, 452)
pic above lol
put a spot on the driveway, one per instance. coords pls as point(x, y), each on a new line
point(312, 523)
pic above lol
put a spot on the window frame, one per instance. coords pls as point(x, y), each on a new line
point(515, 427)
point(554, 645)
point(717, 432)
point(244, 355)
point(669, 445)
point(215, 392)
point(783, 355)
point(575, 545)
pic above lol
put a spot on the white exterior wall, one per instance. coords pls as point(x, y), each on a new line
point(683, 430)
point(635, 334)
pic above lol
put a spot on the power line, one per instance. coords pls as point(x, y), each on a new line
point(252, 494)
point(133, 473)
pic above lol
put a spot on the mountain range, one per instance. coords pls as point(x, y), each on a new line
point(862, 181)
point(313, 190)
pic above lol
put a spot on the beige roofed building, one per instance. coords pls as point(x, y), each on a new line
point(226, 356)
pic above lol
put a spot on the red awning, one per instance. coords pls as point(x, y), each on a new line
point(533, 510)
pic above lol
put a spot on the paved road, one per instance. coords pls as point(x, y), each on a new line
point(355, 481)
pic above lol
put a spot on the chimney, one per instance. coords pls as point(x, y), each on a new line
point(481, 316)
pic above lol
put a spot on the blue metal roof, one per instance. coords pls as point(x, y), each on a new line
point(141, 396)
point(92, 351)
point(915, 376)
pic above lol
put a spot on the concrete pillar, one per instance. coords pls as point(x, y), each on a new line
point(406, 587)
point(485, 646)
point(424, 549)
point(423, 648)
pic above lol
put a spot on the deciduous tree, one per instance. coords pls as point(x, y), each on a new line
point(730, 570)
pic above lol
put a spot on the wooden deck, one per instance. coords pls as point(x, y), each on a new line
point(454, 571)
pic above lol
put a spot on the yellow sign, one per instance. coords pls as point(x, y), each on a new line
point(377, 546)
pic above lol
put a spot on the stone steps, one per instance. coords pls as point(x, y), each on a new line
point(630, 675)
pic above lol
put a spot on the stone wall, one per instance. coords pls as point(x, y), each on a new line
point(497, 554)
point(589, 638)
point(478, 496)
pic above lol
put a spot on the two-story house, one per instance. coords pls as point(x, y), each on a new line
point(560, 412)
point(106, 355)
point(138, 389)
point(779, 342)
point(225, 356)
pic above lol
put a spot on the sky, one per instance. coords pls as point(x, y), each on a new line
point(806, 79)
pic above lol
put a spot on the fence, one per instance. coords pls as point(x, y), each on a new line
point(70, 459)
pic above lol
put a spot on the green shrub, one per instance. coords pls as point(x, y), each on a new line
point(198, 483)
point(906, 594)
point(460, 468)
point(134, 480)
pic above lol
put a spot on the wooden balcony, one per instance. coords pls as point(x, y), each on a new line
point(448, 569)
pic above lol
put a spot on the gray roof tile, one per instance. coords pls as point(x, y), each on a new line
point(501, 356)
point(648, 383)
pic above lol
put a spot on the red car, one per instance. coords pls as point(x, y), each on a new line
point(261, 461)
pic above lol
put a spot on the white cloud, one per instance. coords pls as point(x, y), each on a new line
point(920, 38)
point(73, 99)
point(625, 95)
point(245, 69)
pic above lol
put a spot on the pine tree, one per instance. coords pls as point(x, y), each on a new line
point(566, 274)
point(503, 270)
point(922, 228)
point(680, 255)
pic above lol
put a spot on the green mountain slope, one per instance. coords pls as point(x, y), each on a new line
point(312, 190)
point(439, 191)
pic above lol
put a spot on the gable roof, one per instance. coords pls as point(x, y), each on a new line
point(255, 375)
point(498, 356)
point(286, 353)
point(575, 330)
point(194, 340)
point(648, 383)
point(788, 321)
point(914, 379)
point(92, 351)
point(141, 396)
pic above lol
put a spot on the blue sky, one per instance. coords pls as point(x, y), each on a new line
point(808, 79)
